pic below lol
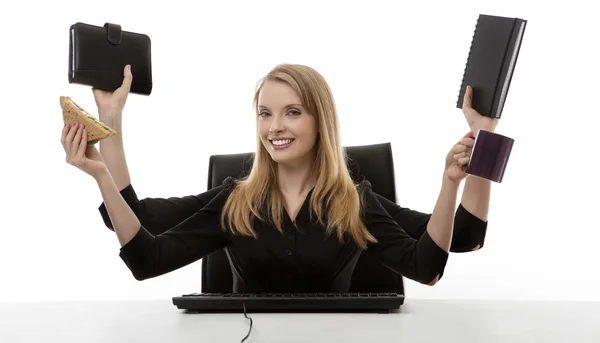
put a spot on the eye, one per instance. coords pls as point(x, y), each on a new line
point(294, 113)
point(263, 114)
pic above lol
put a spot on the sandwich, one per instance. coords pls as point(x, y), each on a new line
point(96, 130)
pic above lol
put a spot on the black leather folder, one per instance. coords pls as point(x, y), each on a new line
point(98, 56)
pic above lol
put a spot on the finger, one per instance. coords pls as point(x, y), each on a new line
point(461, 155)
point(458, 148)
point(467, 98)
point(469, 134)
point(76, 140)
point(128, 77)
point(69, 138)
point(467, 142)
point(82, 145)
point(63, 136)
point(463, 160)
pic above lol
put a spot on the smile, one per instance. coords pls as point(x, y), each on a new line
point(280, 144)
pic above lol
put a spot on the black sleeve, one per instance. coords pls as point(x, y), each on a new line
point(419, 259)
point(148, 255)
point(158, 215)
point(469, 231)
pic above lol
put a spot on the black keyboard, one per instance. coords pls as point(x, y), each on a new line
point(289, 302)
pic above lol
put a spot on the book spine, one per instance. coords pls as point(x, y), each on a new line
point(496, 105)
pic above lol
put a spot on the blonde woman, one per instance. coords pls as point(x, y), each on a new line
point(298, 222)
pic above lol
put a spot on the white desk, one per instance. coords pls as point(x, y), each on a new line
point(418, 321)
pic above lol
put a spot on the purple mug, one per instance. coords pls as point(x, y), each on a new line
point(490, 155)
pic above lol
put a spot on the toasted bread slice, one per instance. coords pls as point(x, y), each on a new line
point(95, 129)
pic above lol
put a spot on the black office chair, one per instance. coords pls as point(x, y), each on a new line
point(371, 162)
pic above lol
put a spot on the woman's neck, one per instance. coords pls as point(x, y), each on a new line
point(296, 180)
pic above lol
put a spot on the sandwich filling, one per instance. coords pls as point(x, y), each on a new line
point(89, 115)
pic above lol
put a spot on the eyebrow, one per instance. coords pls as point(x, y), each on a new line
point(287, 106)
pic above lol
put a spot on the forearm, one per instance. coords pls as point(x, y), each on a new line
point(476, 193)
point(126, 224)
point(476, 196)
point(441, 223)
point(113, 152)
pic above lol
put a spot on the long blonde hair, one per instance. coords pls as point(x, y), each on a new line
point(258, 195)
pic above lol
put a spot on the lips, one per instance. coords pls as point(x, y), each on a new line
point(281, 142)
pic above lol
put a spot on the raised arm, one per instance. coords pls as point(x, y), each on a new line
point(110, 112)
point(421, 259)
point(145, 254)
point(148, 255)
point(156, 214)
point(469, 231)
point(124, 221)
point(469, 226)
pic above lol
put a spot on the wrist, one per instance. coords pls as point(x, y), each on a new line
point(110, 116)
point(102, 175)
point(488, 126)
point(448, 182)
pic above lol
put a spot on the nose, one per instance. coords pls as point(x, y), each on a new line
point(276, 125)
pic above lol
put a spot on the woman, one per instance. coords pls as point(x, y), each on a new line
point(297, 223)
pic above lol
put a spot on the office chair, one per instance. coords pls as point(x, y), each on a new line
point(371, 162)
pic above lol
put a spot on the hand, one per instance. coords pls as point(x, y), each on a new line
point(458, 158)
point(475, 120)
point(111, 104)
point(79, 153)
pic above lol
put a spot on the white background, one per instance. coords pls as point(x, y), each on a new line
point(395, 70)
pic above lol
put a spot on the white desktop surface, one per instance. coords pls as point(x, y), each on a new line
point(417, 321)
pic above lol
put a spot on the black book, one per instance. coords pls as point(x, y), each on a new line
point(491, 62)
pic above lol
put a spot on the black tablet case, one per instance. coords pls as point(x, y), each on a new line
point(99, 54)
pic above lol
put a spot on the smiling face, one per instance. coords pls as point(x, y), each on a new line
point(287, 131)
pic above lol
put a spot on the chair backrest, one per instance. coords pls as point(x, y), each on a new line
point(371, 162)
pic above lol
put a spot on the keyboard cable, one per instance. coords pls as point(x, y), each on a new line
point(250, 328)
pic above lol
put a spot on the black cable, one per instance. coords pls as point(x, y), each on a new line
point(249, 329)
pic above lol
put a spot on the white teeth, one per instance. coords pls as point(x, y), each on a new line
point(282, 142)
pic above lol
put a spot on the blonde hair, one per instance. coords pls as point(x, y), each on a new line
point(335, 193)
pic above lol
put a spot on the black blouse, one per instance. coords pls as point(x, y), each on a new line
point(175, 232)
